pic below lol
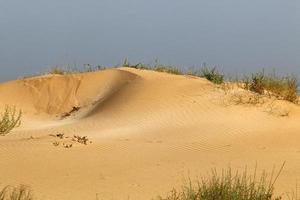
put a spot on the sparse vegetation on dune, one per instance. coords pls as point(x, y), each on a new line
point(68, 142)
point(156, 67)
point(228, 186)
point(10, 119)
point(21, 192)
point(211, 74)
point(68, 69)
point(57, 70)
point(285, 88)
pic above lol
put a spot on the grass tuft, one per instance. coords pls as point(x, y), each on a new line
point(212, 74)
point(21, 192)
point(285, 88)
point(69, 69)
point(10, 119)
point(228, 185)
point(58, 71)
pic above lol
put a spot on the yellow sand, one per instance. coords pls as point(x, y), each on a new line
point(149, 130)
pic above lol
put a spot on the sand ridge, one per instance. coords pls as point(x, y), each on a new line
point(148, 130)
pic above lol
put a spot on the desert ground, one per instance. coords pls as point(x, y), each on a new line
point(147, 132)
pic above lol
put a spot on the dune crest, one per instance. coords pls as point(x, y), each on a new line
point(56, 94)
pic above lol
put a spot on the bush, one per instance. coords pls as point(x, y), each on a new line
point(9, 120)
point(57, 70)
point(167, 69)
point(285, 88)
point(228, 186)
point(21, 192)
point(212, 74)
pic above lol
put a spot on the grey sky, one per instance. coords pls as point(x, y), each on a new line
point(236, 35)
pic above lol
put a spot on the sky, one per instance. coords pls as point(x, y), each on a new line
point(237, 36)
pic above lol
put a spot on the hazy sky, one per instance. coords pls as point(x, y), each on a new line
point(236, 35)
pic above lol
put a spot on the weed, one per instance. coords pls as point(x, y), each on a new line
point(285, 88)
point(228, 186)
point(156, 67)
point(57, 70)
point(81, 139)
point(21, 192)
point(10, 119)
point(212, 74)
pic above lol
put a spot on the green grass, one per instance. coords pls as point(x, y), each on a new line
point(156, 67)
point(57, 70)
point(69, 69)
point(212, 74)
point(228, 185)
point(21, 192)
point(10, 119)
point(285, 88)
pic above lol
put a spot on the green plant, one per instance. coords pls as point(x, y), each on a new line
point(156, 67)
point(285, 88)
point(10, 119)
point(228, 186)
point(21, 192)
point(212, 74)
point(57, 70)
point(72, 69)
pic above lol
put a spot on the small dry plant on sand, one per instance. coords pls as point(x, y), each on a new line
point(81, 139)
point(228, 186)
point(9, 119)
point(68, 142)
point(21, 192)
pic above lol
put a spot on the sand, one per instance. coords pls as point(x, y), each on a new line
point(149, 131)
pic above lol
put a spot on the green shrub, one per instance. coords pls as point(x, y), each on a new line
point(211, 74)
point(21, 192)
point(227, 186)
point(9, 120)
point(57, 70)
point(167, 69)
point(285, 88)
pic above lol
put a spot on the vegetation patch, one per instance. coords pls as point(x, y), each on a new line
point(285, 88)
point(69, 69)
point(21, 192)
point(156, 67)
point(212, 74)
point(228, 186)
point(81, 139)
point(68, 142)
point(10, 119)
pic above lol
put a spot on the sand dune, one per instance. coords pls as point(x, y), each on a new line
point(148, 129)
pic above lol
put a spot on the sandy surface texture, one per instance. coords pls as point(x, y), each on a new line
point(147, 131)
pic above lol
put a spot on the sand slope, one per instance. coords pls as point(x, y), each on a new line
point(149, 130)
